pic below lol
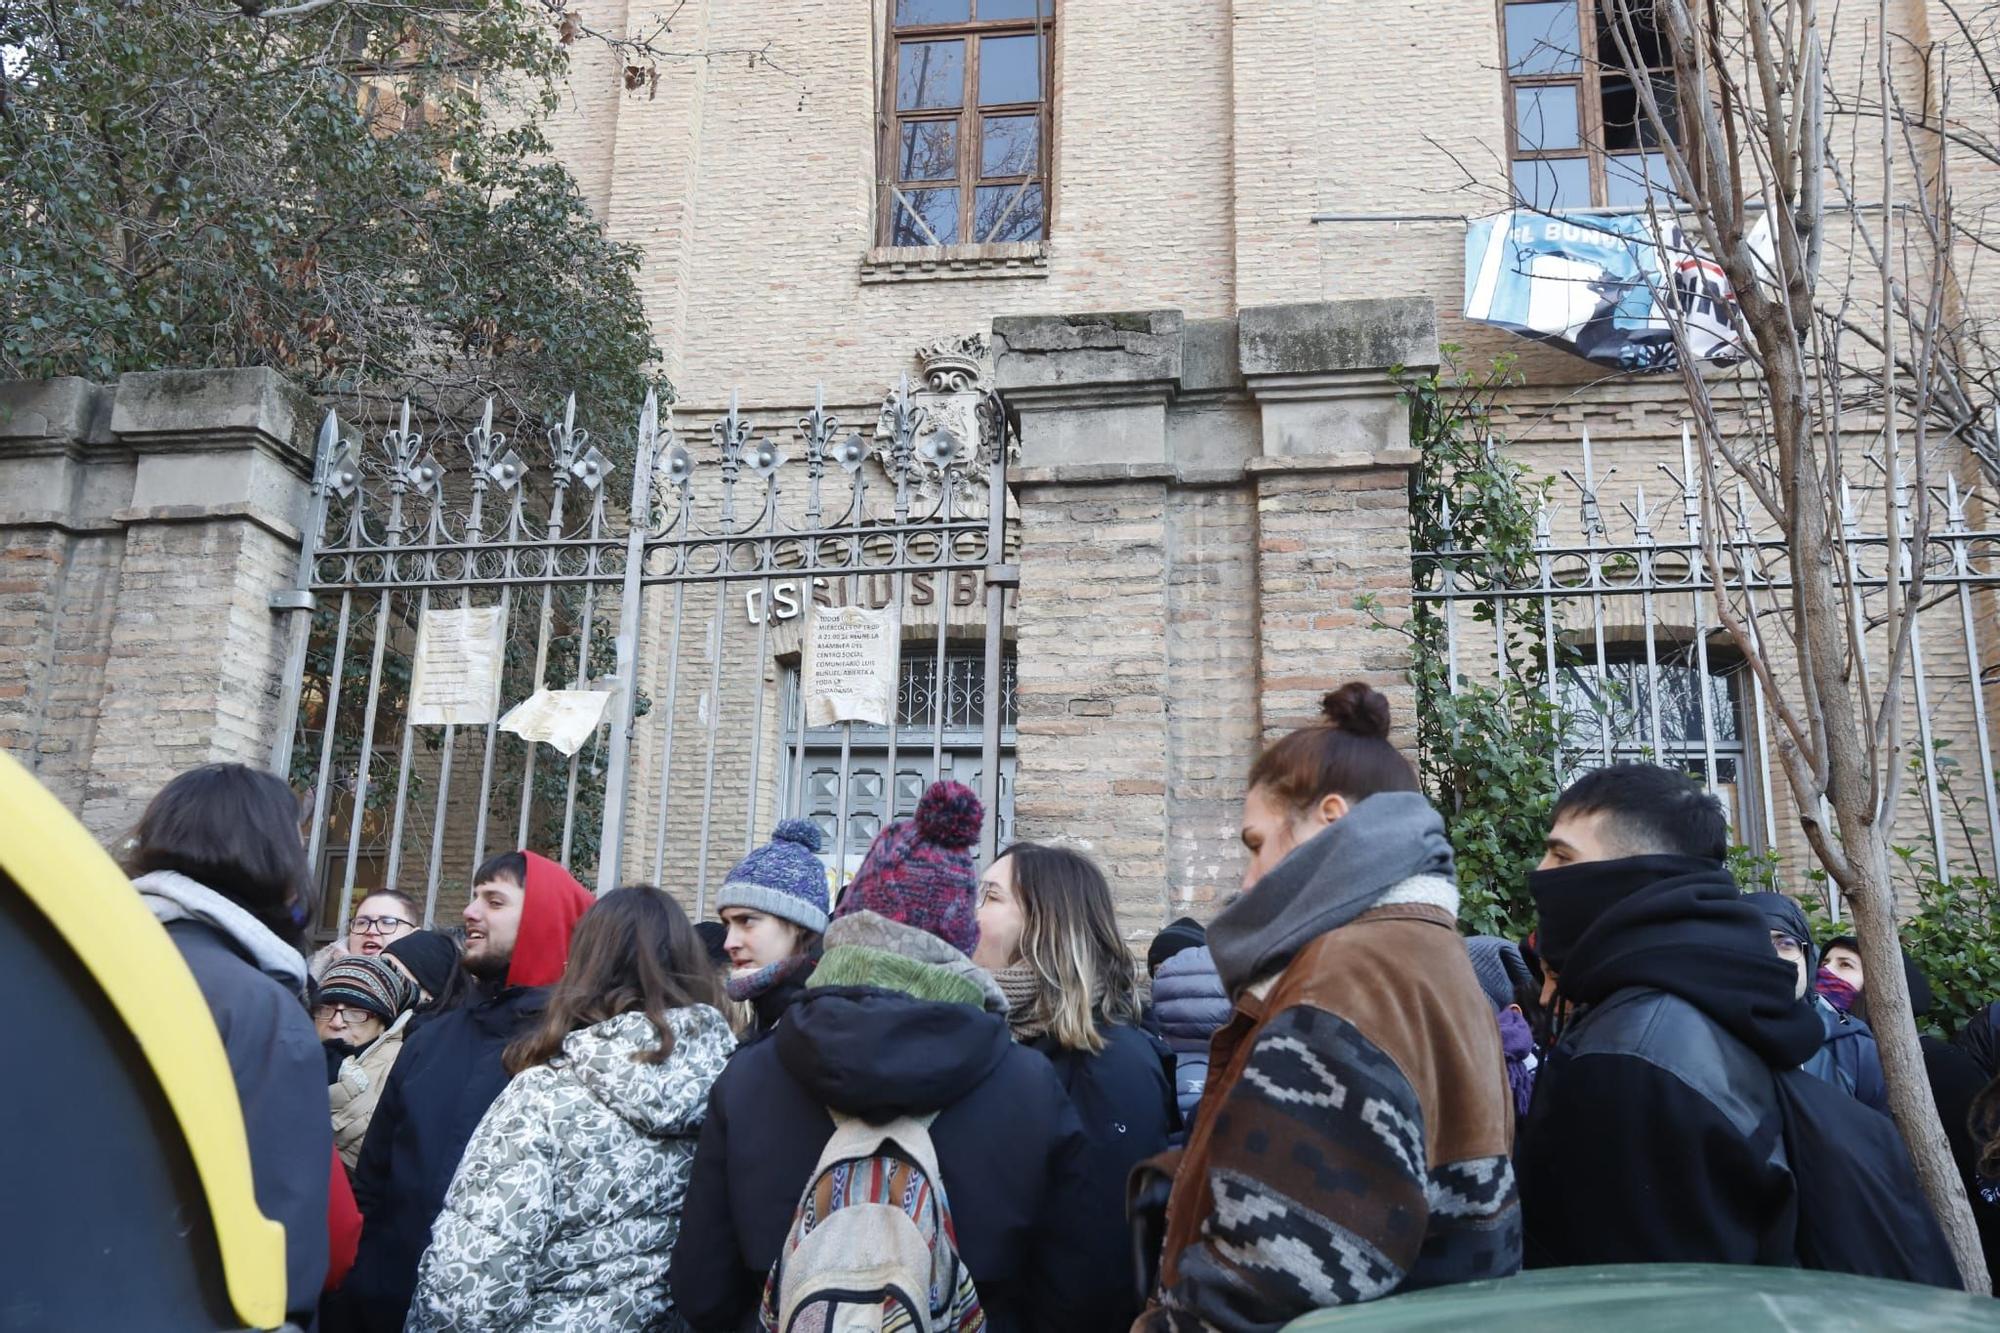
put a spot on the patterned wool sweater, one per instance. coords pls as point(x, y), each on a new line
point(1353, 1140)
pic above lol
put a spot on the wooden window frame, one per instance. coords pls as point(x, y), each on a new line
point(968, 116)
point(1588, 81)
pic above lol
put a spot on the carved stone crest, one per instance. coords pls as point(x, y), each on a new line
point(951, 434)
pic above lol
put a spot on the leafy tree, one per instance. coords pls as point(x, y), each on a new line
point(357, 194)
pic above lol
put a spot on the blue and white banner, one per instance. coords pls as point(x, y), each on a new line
point(1609, 289)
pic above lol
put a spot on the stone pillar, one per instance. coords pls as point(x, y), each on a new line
point(1201, 504)
point(1332, 486)
point(150, 521)
point(1091, 620)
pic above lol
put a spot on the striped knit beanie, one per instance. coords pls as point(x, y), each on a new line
point(783, 878)
point(919, 871)
point(370, 984)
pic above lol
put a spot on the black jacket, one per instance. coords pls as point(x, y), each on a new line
point(446, 1077)
point(1008, 1142)
point(280, 1075)
point(767, 1009)
point(1125, 1096)
point(1671, 1121)
point(1655, 1133)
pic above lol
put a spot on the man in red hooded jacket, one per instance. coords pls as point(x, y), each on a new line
point(517, 931)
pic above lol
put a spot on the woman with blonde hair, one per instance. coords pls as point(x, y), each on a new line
point(1049, 935)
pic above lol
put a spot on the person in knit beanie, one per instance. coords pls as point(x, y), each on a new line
point(360, 1051)
point(898, 1021)
point(773, 906)
point(919, 871)
point(358, 998)
point(1503, 975)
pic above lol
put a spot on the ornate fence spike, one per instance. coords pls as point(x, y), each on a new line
point(1744, 533)
point(324, 447)
point(732, 434)
point(904, 418)
point(1690, 488)
point(480, 443)
point(566, 442)
point(405, 447)
point(817, 428)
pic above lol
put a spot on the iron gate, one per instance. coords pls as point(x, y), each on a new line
point(1622, 631)
point(679, 579)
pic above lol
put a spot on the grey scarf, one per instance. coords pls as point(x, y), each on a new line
point(1326, 882)
point(172, 896)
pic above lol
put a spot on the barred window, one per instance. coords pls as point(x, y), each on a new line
point(1577, 126)
point(1607, 716)
point(858, 773)
point(966, 122)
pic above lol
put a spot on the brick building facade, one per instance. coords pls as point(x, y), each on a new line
point(1218, 227)
point(1206, 162)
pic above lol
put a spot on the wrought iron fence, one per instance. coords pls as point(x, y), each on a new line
point(1620, 627)
point(614, 565)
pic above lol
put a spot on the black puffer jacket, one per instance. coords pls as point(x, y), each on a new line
point(1189, 1005)
point(1010, 1148)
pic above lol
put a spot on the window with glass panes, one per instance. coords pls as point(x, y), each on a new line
point(966, 122)
point(1607, 713)
point(1579, 133)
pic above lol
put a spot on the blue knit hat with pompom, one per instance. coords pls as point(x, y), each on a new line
point(783, 878)
point(919, 872)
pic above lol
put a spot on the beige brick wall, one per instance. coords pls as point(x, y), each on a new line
point(1211, 690)
point(1093, 684)
point(58, 591)
point(194, 660)
point(752, 191)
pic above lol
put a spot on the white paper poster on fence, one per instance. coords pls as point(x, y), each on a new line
point(562, 718)
point(851, 665)
point(456, 676)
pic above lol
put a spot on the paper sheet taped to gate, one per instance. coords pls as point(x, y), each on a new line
point(851, 665)
point(456, 676)
point(562, 718)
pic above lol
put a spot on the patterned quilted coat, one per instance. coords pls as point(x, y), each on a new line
point(565, 1207)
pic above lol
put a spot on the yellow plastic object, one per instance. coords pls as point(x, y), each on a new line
point(90, 903)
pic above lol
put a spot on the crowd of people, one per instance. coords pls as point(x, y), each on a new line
point(955, 1099)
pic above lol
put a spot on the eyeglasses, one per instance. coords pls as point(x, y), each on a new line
point(346, 1013)
point(376, 925)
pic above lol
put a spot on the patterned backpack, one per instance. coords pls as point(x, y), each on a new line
point(872, 1245)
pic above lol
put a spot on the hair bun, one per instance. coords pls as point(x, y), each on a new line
point(1357, 709)
point(801, 831)
point(950, 815)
